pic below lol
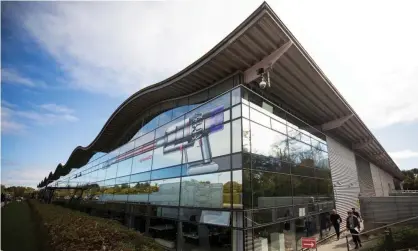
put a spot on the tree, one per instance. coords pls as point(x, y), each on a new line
point(411, 179)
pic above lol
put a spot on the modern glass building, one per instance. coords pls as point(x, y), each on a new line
point(210, 159)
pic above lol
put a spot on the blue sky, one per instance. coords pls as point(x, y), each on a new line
point(67, 66)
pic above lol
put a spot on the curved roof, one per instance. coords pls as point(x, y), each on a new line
point(297, 82)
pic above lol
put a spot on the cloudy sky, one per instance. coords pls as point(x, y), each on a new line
point(67, 66)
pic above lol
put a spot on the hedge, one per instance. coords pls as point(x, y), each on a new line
point(69, 230)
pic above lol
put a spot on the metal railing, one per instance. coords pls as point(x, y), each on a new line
point(387, 234)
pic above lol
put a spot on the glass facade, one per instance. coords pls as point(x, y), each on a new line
point(232, 173)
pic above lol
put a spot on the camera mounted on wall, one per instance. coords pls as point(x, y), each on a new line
point(265, 78)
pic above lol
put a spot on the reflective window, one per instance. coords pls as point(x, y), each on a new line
point(217, 143)
point(304, 186)
point(145, 176)
point(139, 191)
point(320, 159)
point(165, 117)
point(109, 182)
point(217, 164)
point(111, 171)
point(208, 190)
point(237, 161)
point(278, 126)
point(236, 96)
point(246, 134)
point(236, 136)
point(167, 192)
point(271, 189)
point(276, 237)
point(267, 142)
point(236, 112)
point(236, 189)
point(207, 236)
point(142, 162)
point(166, 156)
point(166, 173)
point(245, 111)
point(259, 117)
point(300, 153)
point(124, 167)
point(122, 179)
point(180, 111)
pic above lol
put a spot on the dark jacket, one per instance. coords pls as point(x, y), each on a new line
point(334, 219)
point(356, 222)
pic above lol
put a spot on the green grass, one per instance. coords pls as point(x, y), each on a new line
point(18, 230)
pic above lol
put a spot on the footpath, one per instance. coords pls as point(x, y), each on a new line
point(18, 232)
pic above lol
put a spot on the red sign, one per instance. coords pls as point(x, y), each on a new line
point(308, 242)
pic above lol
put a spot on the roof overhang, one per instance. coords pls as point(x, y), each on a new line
point(296, 82)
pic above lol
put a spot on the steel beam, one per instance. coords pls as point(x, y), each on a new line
point(251, 73)
point(335, 123)
point(362, 143)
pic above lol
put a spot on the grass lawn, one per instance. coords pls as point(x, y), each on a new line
point(18, 232)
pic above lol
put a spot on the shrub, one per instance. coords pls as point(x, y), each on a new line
point(403, 237)
point(70, 230)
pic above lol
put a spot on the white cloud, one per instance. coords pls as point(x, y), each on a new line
point(8, 124)
point(16, 121)
point(14, 77)
point(369, 53)
point(405, 154)
point(24, 175)
point(57, 108)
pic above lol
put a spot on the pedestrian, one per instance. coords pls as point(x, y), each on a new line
point(357, 214)
point(336, 221)
point(353, 225)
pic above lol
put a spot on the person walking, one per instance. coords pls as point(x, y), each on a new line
point(353, 225)
point(336, 221)
point(357, 214)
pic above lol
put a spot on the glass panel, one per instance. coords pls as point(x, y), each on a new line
point(219, 136)
point(236, 112)
point(167, 192)
point(245, 111)
point(165, 117)
point(206, 236)
point(300, 153)
point(139, 191)
point(227, 115)
point(165, 212)
point(165, 156)
point(276, 237)
point(304, 186)
point(303, 170)
point(218, 164)
point(165, 173)
point(208, 190)
point(236, 96)
point(145, 176)
point(259, 118)
point(237, 161)
point(121, 192)
point(236, 136)
point(111, 171)
point(122, 180)
point(180, 111)
point(268, 142)
point(142, 162)
point(246, 134)
point(278, 126)
point(124, 167)
point(236, 189)
point(271, 189)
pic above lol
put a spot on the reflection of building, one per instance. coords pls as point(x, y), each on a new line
point(209, 160)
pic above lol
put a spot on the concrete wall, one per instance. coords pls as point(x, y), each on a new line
point(383, 181)
point(365, 177)
point(379, 211)
point(344, 176)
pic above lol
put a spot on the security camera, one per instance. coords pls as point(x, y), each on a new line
point(263, 84)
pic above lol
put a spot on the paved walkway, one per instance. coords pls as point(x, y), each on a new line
point(339, 245)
